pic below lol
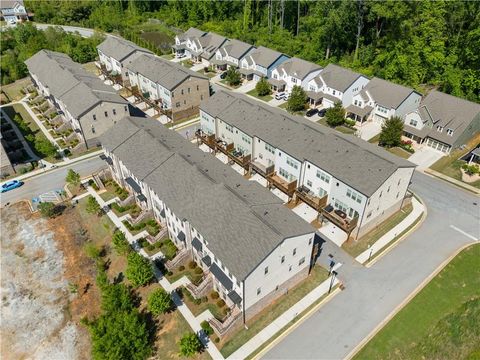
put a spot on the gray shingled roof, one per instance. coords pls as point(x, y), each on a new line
point(241, 221)
point(386, 93)
point(298, 68)
point(359, 164)
point(10, 4)
point(450, 112)
point(68, 81)
point(119, 48)
point(164, 72)
point(236, 48)
point(192, 33)
point(264, 56)
point(338, 78)
point(210, 43)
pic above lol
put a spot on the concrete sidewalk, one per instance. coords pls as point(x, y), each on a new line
point(268, 332)
point(452, 180)
point(416, 213)
point(184, 310)
point(42, 127)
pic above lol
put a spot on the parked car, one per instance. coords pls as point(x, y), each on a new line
point(10, 185)
point(223, 75)
point(181, 56)
point(322, 112)
point(279, 95)
point(286, 96)
point(311, 112)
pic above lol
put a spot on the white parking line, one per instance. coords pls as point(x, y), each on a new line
point(464, 233)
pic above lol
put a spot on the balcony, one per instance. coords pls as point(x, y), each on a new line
point(224, 147)
point(339, 218)
point(281, 184)
point(261, 169)
point(204, 138)
point(308, 197)
point(238, 157)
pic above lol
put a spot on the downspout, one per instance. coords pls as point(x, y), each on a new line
point(243, 302)
point(361, 221)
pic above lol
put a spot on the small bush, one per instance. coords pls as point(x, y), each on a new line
point(192, 264)
point(198, 271)
point(206, 327)
point(214, 295)
point(204, 299)
point(220, 303)
point(216, 339)
point(471, 169)
point(350, 122)
point(190, 344)
point(181, 268)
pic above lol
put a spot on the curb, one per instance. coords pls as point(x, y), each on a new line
point(400, 306)
point(385, 251)
point(297, 323)
point(452, 181)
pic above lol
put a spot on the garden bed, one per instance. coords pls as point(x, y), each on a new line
point(150, 225)
point(192, 271)
point(134, 210)
point(114, 190)
point(212, 302)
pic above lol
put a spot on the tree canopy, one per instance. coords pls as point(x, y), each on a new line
point(335, 116)
point(190, 344)
point(72, 178)
point(233, 77)
point(297, 99)
point(159, 302)
point(416, 43)
point(139, 269)
point(392, 130)
point(92, 207)
point(263, 87)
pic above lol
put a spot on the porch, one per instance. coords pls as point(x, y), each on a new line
point(339, 218)
point(281, 184)
point(308, 197)
point(207, 139)
point(259, 168)
point(239, 158)
point(277, 85)
point(357, 113)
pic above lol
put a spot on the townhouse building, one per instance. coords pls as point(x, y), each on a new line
point(335, 84)
point(231, 53)
point(13, 11)
point(351, 183)
point(443, 122)
point(114, 53)
point(248, 243)
point(180, 47)
point(170, 85)
point(85, 104)
point(293, 72)
point(380, 100)
point(260, 63)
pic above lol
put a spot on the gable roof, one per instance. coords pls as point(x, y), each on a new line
point(210, 43)
point(10, 4)
point(450, 112)
point(386, 93)
point(359, 164)
point(177, 171)
point(69, 82)
point(119, 48)
point(191, 33)
point(298, 68)
point(236, 48)
point(166, 73)
point(339, 78)
point(264, 56)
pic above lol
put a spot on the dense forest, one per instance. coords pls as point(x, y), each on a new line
point(421, 44)
point(21, 42)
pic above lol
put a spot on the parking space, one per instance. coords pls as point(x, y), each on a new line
point(246, 87)
point(333, 233)
point(368, 129)
point(305, 212)
point(222, 157)
point(425, 156)
point(260, 179)
point(275, 102)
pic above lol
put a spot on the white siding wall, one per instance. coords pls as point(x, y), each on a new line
point(411, 103)
point(207, 123)
point(261, 154)
point(230, 134)
point(355, 88)
point(285, 161)
point(414, 120)
point(278, 272)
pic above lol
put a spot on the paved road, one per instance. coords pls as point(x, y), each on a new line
point(84, 32)
point(371, 294)
point(53, 180)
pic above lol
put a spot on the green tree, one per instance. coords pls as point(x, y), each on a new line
point(190, 344)
point(45, 147)
point(92, 206)
point(120, 335)
point(233, 76)
point(159, 302)
point(72, 178)
point(120, 243)
point(47, 209)
point(297, 99)
point(335, 116)
point(263, 87)
point(117, 297)
point(139, 269)
point(391, 134)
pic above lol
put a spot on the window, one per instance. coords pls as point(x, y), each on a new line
point(94, 117)
point(229, 128)
point(354, 196)
point(126, 108)
point(290, 268)
point(398, 194)
point(184, 102)
point(269, 148)
point(286, 175)
point(294, 251)
point(259, 291)
point(322, 176)
point(177, 104)
point(114, 112)
point(302, 260)
point(321, 192)
point(340, 205)
point(382, 109)
point(449, 132)
point(439, 128)
point(282, 259)
point(333, 92)
point(309, 183)
point(246, 139)
point(292, 163)
point(310, 241)
point(201, 97)
point(188, 90)
point(413, 122)
point(182, 92)
point(197, 87)
point(93, 130)
point(106, 114)
point(266, 270)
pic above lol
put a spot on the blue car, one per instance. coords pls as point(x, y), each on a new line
point(11, 185)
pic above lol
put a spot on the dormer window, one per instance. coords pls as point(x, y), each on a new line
point(449, 132)
point(439, 128)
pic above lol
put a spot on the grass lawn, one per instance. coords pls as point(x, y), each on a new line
point(210, 74)
point(450, 165)
point(170, 328)
point(224, 82)
point(187, 63)
point(341, 128)
point(255, 93)
point(195, 277)
point(13, 90)
point(285, 302)
point(399, 152)
point(168, 56)
point(91, 68)
point(440, 322)
point(200, 307)
point(355, 248)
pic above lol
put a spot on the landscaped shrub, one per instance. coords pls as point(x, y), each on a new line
point(192, 264)
point(471, 169)
point(181, 268)
point(350, 122)
point(120, 243)
point(205, 325)
point(190, 344)
point(169, 249)
point(214, 295)
point(204, 299)
point(220, 303)
point(216, 339)
point(198, 270)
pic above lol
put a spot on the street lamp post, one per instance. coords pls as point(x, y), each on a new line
point(370, 254)
point(332, 264)
point(332, 280)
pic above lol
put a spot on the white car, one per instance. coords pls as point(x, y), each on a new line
point(279, 96)
point(286, 96)
point(181, 56)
